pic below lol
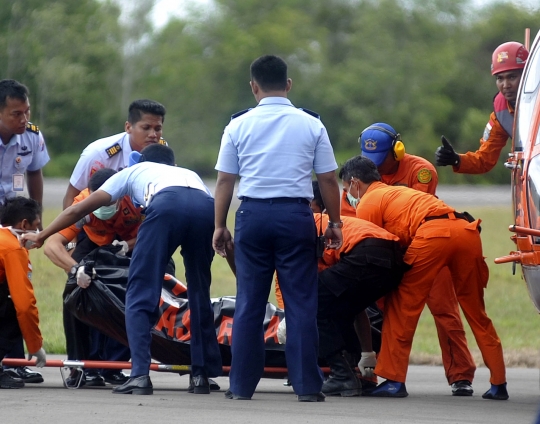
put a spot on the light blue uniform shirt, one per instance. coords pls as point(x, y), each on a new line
point(143, 180)
point(24, 152)
point(274, 148)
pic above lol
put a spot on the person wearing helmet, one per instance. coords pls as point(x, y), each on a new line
point(507, 63)
point(381, 143)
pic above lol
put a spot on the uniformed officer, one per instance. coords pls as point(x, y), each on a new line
point(507, 63)
point(274, 147)
point(179, 212)
point(23, 154)
point(143, 127)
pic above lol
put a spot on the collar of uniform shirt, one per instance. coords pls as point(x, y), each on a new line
point(275, 101)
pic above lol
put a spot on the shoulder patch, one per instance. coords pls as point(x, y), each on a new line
point(237, 114)
point(424, 176)
point(487, 131)
point(310, 112)
point(162, 141)
point(113, 150)
point(32, 128)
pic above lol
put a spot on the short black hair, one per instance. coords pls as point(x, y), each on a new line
point(361, 168)
point(158, 153)
point(9, 88)
point(317, 196)
point(99, 177)
point(16, 209)
point(144, 106)
point(270, 73)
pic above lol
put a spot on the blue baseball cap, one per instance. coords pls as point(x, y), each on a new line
point(376, 140)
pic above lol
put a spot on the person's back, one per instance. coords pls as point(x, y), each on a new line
point(399, 210)
point(274, 148)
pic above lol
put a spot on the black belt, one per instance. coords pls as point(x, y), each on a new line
point(276, 200)
point(458, 215)
point(376, 242)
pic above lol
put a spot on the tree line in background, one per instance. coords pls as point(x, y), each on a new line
point(422, 66)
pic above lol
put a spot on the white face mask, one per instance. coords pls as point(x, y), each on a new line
point(352, 200)
point(105, 212)
point(18, 233)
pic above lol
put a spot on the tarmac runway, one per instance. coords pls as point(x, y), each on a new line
point(457, 196)
point(429, 401)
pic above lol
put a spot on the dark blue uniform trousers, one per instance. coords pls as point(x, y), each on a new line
point(177, 216)
point(275, 237)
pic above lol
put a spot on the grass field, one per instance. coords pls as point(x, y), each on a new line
point(506, 297)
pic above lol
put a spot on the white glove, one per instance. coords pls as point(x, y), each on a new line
point(124, 245)
point(83, 279)
point(41, 357)
point(282, 332)
point(367, 363)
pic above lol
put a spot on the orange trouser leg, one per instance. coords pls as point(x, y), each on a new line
point(470, 275)
point(443, 304)
point(403, 306)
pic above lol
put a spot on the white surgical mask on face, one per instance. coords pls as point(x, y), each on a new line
point(352, 200)
point(105, 212)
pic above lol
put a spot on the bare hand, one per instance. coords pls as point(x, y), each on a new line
point(31, 240)
point(333, 237)
point(222, 241)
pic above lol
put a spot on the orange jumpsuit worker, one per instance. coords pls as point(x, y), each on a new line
point(18, 311)
point(382, 144)
point(507, 63)
point(436, 236)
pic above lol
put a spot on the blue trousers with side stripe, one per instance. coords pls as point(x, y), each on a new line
point(177, 216)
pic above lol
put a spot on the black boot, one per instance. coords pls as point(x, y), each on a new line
point(342, 380)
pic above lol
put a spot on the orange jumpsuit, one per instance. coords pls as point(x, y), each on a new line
point(433, 244)
point(417, 173)
point(16, 272)
point(492, 142)
point(125, 224)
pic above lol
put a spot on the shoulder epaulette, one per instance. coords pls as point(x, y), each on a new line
point(237, 114)
point(33, 128)
point(162, 141)
point(113, 150)
point(310, 112)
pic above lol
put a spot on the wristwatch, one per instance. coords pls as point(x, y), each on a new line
point(73, 271)
point(335, 224)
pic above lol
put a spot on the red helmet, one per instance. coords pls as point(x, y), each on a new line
point(508, 56)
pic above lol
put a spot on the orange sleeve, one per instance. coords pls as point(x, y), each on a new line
point(486, 157)
point(18, 274)
point(70, 232)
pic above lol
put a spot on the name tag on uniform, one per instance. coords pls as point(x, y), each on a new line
point(18, 182)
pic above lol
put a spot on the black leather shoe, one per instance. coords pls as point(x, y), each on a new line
point(115, 378)
point(231, 395)
point(93, 379)
point(25, 374)
point(317, 397)
point(214, 387)
point(199, 385)
point(136, 386)
point(7, 381)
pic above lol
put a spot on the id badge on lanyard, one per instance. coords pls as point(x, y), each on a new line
point(18, 182)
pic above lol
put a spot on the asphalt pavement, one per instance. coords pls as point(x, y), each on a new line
point(429, 401)
point(456, 196)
